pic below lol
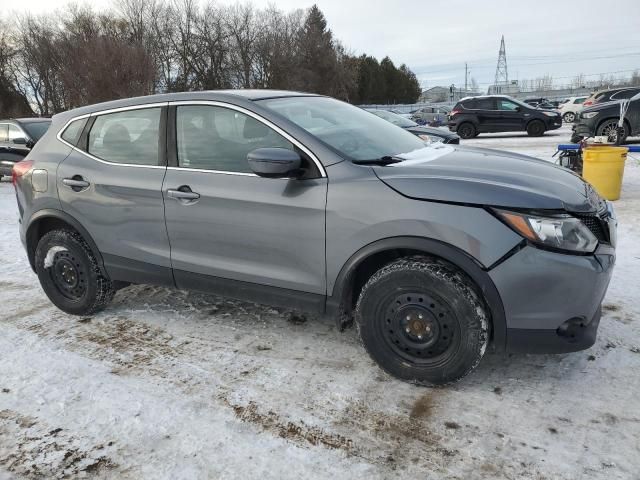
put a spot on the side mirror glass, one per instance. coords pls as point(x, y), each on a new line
point(275, 162)
point(518, 109)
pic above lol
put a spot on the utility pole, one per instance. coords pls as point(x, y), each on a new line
point(466, 76)
point(502, 77)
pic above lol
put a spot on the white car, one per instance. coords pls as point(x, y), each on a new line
point(571, 108)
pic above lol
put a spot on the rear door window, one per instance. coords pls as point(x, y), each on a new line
point(485, 104)
point(129, 137)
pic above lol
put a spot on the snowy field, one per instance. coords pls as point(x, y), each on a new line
point(167, 384)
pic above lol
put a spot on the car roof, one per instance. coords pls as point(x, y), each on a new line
point(26, 120)
point(211, 95)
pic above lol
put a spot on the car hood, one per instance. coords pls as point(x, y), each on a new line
point(484, 177)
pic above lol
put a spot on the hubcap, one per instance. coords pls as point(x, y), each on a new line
point(419, 327)
point(68, 275)
point(611, 131)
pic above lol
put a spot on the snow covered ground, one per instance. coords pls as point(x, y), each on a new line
point(170, 384)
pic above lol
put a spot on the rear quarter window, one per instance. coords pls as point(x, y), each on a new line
point(71, 134)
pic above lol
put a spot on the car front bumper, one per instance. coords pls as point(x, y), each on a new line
point(552, 301)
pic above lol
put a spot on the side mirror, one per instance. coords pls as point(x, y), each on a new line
point(518, 109)
point(274, 162)
point(20, 141)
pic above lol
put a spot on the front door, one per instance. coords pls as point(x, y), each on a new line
point(511, 115)
point(233, 232)
point(112, 184)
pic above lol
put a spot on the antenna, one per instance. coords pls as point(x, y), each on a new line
point(502, 76)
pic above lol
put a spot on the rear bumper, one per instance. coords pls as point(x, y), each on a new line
point(552, 301)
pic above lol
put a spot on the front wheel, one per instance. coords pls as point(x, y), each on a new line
point(535, 128)
point(422, 321)
point(609, 129)
point(569, 117)
point(69, 273)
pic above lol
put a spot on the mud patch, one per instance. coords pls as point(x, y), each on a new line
point(298, 433)
point(609, 307)
point(29, 449)
point(26, 312)
point(422, 407)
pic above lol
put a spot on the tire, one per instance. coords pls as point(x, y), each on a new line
point(422, 321)
point(609, 129)
point(466, 130)
point(69, 274)
point(569, 117)
point(535, 128)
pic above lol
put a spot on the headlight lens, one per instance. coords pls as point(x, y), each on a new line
point(430, 138)
point(589, 114)
point(550, 114)
point(562, 232)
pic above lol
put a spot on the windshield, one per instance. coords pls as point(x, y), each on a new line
point(354, 133)
point(36, 129)
point(394, 118)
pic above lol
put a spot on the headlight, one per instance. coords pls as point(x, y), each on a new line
point(429, 138)
point(562, 232)
point(589, 114)
point(550, 114)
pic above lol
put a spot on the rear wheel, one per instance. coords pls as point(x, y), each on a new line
point(609, 129)
point(535, 128)
point(422, 321)
point(466, 130)
point(569, 117)
point(69, 273)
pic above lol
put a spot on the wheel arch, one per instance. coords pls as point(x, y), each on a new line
point(366, 261)
point(49, 219)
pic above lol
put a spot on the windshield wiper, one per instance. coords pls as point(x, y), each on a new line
point(386, 160)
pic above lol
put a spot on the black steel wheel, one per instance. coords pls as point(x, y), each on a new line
point(466, 130)
point(69, 273)
point(422, 321)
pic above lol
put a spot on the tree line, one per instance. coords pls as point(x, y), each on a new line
point(79, 56)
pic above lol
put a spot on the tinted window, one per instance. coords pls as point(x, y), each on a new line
point(4, 132)
point(623, 94)
point(484, 104)
point(72, 133)
point(126, 137)
point(36, 129)
point(507, 105)
point(217, 138)
point(352, 132)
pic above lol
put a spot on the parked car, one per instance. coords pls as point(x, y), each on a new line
point(570, 108)
point(611, 94)
point(437, 251)
point(434, 116)
point(602, 119)
point(17, 137)
point(428, 134)
point(500, 113)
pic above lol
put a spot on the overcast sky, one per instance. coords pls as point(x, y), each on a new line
point(435, 38)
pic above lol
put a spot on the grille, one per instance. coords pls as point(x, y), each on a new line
point(597, 226)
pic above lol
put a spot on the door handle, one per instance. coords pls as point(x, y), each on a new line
point(183, 193)
point(76, 182)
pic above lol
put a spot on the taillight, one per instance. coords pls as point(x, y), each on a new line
point(454, 112)
point(587, 103)
point(19, 169)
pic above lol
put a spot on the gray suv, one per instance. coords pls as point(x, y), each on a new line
point(437, 251)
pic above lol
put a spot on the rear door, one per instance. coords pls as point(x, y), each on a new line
point(239, 234)
point(112, 184)
point(511, 115)
point(488, 116)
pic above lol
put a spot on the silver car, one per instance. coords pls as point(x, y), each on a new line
point(437, 252)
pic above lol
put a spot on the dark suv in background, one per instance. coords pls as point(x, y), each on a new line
point(436, 251)
point(17, 138)
point(602, 119)
point(500, 113)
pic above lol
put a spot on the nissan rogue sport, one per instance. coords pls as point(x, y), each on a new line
point(437, 251)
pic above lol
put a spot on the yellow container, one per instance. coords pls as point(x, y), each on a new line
point(603, 167)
